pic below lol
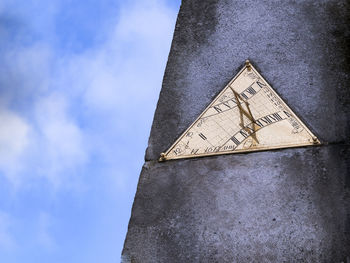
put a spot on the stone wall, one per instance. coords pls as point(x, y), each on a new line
point(288, 205)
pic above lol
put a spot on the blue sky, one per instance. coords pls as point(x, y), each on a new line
point(79, 82)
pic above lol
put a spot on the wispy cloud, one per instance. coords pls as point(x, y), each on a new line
point(57, 141)
point(7, 242)
point(76, 108)
point(13, 143)
point(44, 236)
point(117, 81)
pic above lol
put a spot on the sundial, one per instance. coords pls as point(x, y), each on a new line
point(247, 115)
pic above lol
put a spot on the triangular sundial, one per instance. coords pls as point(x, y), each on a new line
point(247, 115)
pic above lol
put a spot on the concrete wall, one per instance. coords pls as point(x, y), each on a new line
point(289, 205)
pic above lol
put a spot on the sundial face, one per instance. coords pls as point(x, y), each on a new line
point(247, 115)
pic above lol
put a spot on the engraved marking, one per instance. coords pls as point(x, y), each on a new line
point(202, 136)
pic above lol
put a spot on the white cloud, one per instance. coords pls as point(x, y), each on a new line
point(13, 142)
point(128, 67)
point(7, 242)
point(119, 81)
point(50, 145)
point(44, 236)
point(41, 138)
point(58, 139)
point(75, 120)
point(25, 73)
point(116, 82)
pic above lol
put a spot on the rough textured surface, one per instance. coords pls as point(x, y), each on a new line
point(289, 205)
point(283, 206)
point(300, 47)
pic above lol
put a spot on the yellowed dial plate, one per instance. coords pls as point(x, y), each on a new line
point(246, 116)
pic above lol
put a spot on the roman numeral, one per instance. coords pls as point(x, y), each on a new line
point(217, 108)
point(251, 90)
point(266, 120)
point(274, 117)
point(259, 123)
point(277, 116)
point(234, 101)
point(244, 96)
point(202, 136)
point(287, 113)
point(244, 134)
point(227, 105)
point(194, 151)
point(234, 139)
point(260, 84)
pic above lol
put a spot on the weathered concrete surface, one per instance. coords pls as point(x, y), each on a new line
point(289, 205)
point(282, 206)
point(302, 48)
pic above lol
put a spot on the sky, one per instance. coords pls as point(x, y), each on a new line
point(79, 83)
